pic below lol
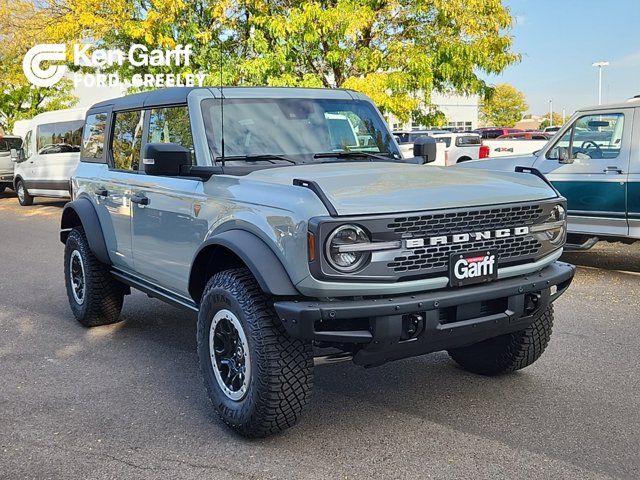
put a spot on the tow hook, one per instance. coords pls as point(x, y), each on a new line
point(531, 302)
point(412, 326)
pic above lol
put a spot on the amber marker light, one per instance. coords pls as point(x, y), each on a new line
point(311, 245)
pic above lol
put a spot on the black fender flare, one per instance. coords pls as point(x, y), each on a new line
point(82, 210)
point(256, 255)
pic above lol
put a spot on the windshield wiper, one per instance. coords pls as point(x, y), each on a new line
point(265, 157)
point(353, 154)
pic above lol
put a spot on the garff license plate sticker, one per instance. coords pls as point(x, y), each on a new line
point(472, 267)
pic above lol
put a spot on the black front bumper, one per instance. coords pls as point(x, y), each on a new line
point(451, 318)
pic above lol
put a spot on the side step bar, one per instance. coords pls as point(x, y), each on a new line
point(581, 247)
point(333, 358)
point(154, 291)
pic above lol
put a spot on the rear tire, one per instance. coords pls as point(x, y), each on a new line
point(95, 297)
point(23, 194)
point(507, 353)
point(258, 378)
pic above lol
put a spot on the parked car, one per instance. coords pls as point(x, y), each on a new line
point(7, 144)
point(455, 147)
point(461, 147)
point(406, 139)
point(294, 252)
point(518, 143)
point(495, 132)
point(594, 161)
point(49, 155)
point(531, 135)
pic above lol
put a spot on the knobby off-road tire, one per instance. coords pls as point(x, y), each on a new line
point(278, 370)
point(100, 299)
point(507, 353)
point(24, 198)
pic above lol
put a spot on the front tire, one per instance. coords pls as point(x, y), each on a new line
point(507, 353)
point(258, 378)
point(23, 194)
point(95, 297)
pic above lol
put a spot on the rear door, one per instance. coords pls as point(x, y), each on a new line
point(110, 190)
point(165, 224)
point(589, 165)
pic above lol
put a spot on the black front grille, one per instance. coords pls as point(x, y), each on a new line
point(457, 222)
point(437, 257)
point(434, 259)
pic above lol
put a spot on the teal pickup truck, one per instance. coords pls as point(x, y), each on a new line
point(594, 162)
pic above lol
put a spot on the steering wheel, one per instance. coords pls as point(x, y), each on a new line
point(586, 145)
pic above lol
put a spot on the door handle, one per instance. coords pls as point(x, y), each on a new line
point(101, 192)
point(613, 170)
point(140, 199)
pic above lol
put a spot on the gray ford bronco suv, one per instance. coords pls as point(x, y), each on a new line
point(288, 221)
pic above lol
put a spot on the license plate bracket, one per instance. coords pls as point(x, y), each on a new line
point(468, 268)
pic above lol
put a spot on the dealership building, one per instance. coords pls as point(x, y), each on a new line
point(461, 112)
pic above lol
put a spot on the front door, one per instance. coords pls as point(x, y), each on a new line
point(165, 225)
point(589, 165)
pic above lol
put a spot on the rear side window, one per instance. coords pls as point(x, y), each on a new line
point(466, 140)
point(6, 144)
point(127, 139)
point(93, 137)
point(170, 125)
point(61, 137)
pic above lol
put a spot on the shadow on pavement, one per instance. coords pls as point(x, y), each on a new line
point(608, 256)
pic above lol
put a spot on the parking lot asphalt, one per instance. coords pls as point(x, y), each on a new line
point(127, 401)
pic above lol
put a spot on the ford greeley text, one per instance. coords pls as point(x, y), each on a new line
point(465, 237)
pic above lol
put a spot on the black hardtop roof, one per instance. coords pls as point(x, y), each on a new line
point(178, 95)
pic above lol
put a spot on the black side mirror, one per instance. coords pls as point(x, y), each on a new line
point(563, 156)
point(425, 148)
point(165, 159)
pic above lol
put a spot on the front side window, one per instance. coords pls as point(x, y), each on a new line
point(170, 125)
point(127, 140)
point(590, 137)
point(296, 128)
point(62, 137)
point(93, 136)
point(27, 146)
point(7, 144)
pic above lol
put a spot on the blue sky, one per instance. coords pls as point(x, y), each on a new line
point(560, 39)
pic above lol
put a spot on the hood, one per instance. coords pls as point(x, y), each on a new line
point(356, 188)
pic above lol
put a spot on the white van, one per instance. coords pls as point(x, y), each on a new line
point(49, 155)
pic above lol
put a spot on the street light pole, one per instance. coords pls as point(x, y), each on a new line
point(551, 112)
point(600, 65)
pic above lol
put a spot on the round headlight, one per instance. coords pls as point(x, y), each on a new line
point(342, 248)
point(558, 218)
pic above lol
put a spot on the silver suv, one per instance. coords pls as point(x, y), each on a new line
point(288, 221)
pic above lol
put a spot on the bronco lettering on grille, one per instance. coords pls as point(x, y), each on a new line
point(465, 237)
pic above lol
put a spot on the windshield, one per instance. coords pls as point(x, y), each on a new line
point(296, 128)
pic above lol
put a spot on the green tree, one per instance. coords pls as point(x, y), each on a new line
point(23, 26)
point(557, 120)
point(503, 106)
point(395, 51)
